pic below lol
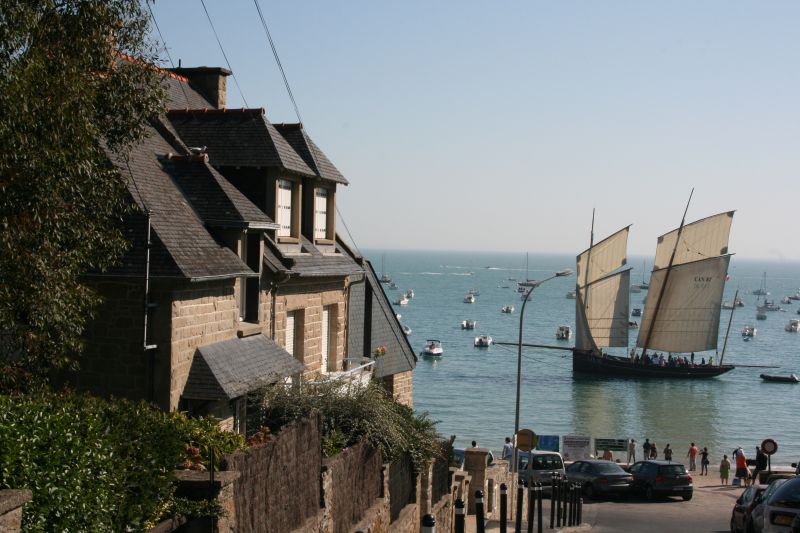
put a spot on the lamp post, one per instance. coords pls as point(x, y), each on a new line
point(531, 285)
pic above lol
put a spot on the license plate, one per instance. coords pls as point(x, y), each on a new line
point(782, 519)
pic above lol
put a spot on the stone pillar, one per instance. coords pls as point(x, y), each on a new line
point(197, 486)
point(425, 496)
point(11, 504)
point(475, 463)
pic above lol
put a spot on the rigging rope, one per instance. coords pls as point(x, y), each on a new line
point(233, 74)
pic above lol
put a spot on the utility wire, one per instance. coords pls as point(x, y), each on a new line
point(164, 42)
point(233, 74)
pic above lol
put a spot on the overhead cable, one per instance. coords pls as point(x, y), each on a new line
point(166, 49)
point(233, 74)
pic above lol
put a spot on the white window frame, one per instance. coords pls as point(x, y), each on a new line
point(325, 340)
point(284, 190)
point(321, 205)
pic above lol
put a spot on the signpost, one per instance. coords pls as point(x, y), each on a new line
point(526, 440)
point(769, 447)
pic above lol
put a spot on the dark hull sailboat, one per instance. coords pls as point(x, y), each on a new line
point(681, 317)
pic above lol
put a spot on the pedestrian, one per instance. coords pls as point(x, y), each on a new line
point(646, 449)
point(668, 453)
point(742, 472)
point(607, 456)
point(653, 451)
point(632, 451)
point(724, 470)
point(704, 462)
point(474, 444)
point(508, 450)
point(692, 455)
point(761, 463)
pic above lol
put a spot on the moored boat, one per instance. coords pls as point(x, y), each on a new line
point(468, 324)
point(637, 311)
point(793, 325)
point(564, 333)
point(410, 293)
point(791, 378)
point(571, 295)
point(469, 299)
point(483, 341)
point(433, 348)
point(749, 331)
point(402, 300)
point(507, 309)
point(406, 330)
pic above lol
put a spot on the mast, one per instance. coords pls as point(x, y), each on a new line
point(730, 320)
point(666, 278)
point(579, 298)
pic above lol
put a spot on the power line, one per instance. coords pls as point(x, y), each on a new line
point(166, 49)
point(233, 74)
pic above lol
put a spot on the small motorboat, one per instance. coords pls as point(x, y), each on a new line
point(398, 316)
point(468, 324)
point(469, 299)
point(402, 300)
point(507, 309)
point(393, 286)
point(483, 341)
point(633, 325)
point(738, 302)
point(793, 325)
point(791, 378)
point(571, 295)
point(433, 348)
point(564, 333)
point(749, 331)
point(637, 311)
point(727, 305)
point(795, 296)
point(410, 293)
point(521, 288)
point(406, 330)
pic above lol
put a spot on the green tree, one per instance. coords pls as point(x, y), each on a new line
point(70, 92)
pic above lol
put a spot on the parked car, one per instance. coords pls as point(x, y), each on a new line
point(539, 466)
point(741, 516)
point(599, 477)
point(782, 507)
point(757, 515)
point(661, 478)
point(460, 455)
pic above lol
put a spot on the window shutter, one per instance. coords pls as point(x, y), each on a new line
point(283, 213)
point(325, 333)
point(290, 332)
point(321, 214)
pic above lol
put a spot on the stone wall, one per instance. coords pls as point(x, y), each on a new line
point(11, 504)
point(401, 386)
point(355, 482)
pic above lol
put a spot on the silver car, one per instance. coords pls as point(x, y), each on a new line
point(757, 515)
point(782, 508)
point(539, 467)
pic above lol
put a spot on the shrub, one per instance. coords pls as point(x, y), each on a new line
point(94, 464)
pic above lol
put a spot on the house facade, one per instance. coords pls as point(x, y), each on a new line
point(236, 277)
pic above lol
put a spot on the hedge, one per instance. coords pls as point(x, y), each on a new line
point(94, 464)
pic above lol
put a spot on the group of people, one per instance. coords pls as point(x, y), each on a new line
point(651, 452)
point(742, 468)
point(658, 359)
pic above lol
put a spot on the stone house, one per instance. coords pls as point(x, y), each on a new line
point(235, 277)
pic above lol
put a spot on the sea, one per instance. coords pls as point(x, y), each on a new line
point(471, 391)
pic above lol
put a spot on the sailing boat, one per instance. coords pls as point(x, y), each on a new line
point(384, 276)
point(762, 291)
point(644, 285)
point(683, 315)
point(768, 305)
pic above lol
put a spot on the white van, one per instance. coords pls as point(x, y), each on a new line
point(539, 466)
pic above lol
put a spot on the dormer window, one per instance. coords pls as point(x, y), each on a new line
point(287, 210)
point(324, 216)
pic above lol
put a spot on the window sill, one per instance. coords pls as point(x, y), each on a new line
point(248, 329)
point(288, 240)
point(324, 241)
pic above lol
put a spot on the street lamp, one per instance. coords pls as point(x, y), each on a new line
point(531, 285)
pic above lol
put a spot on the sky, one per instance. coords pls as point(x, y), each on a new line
point(499, 126)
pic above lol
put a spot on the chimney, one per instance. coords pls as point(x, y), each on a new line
point(209, 81)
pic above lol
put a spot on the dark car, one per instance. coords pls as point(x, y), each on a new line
point(757, 514)
point(741, 517)
point(600, 477)
point(782, 509)
point(662, 478)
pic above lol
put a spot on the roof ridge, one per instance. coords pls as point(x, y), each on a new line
point(217, 111)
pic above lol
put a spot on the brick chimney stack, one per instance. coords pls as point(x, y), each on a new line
point(210, 81)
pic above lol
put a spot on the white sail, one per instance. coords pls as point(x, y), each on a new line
point(602, 312)
point(603, 258)
point(688, 314)
point(699, 240)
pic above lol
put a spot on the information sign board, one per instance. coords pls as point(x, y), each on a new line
point(614, 445)
point(576, 447)
point(548, 443)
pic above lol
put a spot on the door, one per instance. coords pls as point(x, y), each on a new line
point(326, 320)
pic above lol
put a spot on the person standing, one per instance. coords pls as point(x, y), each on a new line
point(668, 453)
point(646, 449)
point(653, 451)
point(632, 451)
point(692, 455)
point(508, 450)
point(724, 470)
point(704, 462)
point(742, 473)
point(607, 455)
point(761, 463)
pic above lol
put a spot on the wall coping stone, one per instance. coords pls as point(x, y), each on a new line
point(11, 499)
point(193, 478)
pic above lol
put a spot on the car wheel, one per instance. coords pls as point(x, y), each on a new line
point(687, 497)
point(649, 493)
point(589, 489)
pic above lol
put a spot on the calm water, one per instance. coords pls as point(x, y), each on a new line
point(471, 391)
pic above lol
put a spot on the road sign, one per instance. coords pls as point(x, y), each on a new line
point(526, 440)
point(769, 446)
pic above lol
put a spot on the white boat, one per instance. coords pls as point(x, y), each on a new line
point(786, 300)
point(769, 305)
point(749, 331)
point(644, 285)
point(637, 311)
point(410, 293)
point(483, 341)
point(762, 291)
point(469, 299)
point(398, 316)
point(433, 348)
point(402, 300)
point(795, 296)
point(564, 333)
point(521, 288)
point(507, 309)
point(384, 276)
point(393, 286)
point(727, 305)
point(571, 295)
point(406, 330)
point(468, 324)
point(793, 325)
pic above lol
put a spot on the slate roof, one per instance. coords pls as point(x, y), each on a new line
point(238, 138)
point(181, 95)
point(296, 135)
point(230, 369)
point(311, 263)
point(182, 247)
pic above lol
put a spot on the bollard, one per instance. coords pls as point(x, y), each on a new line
point(580, 509)
point(480, 524)
point(503, 508)
point(571, 507)
point(460, 512)
point(557, 502)
point(520, 495)
point(564, 490)
point(552, 500)
point(575, 492)
point(531, 508)
point(428, 524)
point(539, 507)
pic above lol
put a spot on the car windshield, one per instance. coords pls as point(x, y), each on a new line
point(773, 487)
point(608, 468)
point(672, 470)
point(787, 495)
point(542, 462)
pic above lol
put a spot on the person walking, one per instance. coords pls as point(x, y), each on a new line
point(761, 464)
point(692, 455)
point(668, 453)
point(704, 462)
point(724, 470)
point(742, 473)
point(632, 451)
